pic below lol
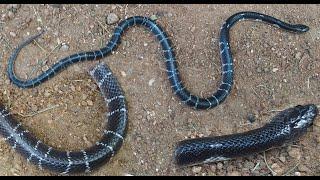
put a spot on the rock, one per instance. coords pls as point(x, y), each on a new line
point(89, 102)
point(145, 44)
point(297, 173)
point(275, 70)
point(13, 34)
point(276, 168)
point(234, 173)
point(196, 169)
point(251, 117)
point(298, 55)
point(64, 47)
point(219, 165)
point(153, 17)
point(151, 81)
point(112, 18)
point(123, 74)
point(303, 168)
point(294, 153)
point(282, 159)
point(47, 94)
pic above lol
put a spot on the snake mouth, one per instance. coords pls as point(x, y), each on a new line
point(307, 115)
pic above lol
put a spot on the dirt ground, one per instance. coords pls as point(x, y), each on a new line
point(274, 70)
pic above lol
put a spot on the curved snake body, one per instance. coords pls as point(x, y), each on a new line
point(171, 64)
point(64, 162)
point(188, 152)
point(286, 126)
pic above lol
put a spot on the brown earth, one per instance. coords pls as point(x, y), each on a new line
point(274, 70)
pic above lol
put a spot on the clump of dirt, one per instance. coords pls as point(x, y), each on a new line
point(274, 70)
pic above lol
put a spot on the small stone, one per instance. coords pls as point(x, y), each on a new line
point(123, 74)
point(196, 169)
point(282, 159)
point(275, 70)
point(153, 17)
point(297, 173)
point(90, 103)
point(13, 34)
point(303, 168)
point(294, 153)
point(145, 44)
point(298, 55)
point(151, 81)
point(112, 18)
point(38, 28)
point(73, 88)
point(45, 68)
point(259, 70)
point(83, 103)
point(219, 165)
point(47, 93)
point(113, 7)
point(251, 117)
point(64, 47)
point(234, 173)
point(10, 14)
point(284, 80)
point(276, 168)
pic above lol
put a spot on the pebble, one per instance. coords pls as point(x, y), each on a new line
point(89, 102)
point(297, 173)
point(151, 81)
point(73, 88)
point(64, 47)
point(275, 70)
point(123, 74)
point(83, 103)
point(234, 173)
point(282, 159)
point(251, 117)
point(219, 165)
point(47, 94)
point(112, 18)
point(298, 55)
point(294, 153)
point(153, 17)
point(303, 168)
point(13, 34)
point(196, 169)
point(276, 168)
point(145, 44)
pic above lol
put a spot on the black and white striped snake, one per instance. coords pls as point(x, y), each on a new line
point(86, 160)
point(182, 154)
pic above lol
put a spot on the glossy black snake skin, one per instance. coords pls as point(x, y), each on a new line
point(286, 126)
point(86, 160)
point(173, 74)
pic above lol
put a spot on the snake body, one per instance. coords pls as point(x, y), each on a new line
point(188, 152)
point(64, 162)
point(171, 64)
point(286, 126)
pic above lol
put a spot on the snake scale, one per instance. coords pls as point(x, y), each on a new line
point(192, 151)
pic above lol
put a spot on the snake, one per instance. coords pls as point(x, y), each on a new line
point(287, 126)
point(82, 161)
point(173, 74)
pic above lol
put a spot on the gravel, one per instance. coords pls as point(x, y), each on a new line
point(112, 18)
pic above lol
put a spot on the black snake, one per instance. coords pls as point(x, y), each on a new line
point(86, 160)
point(9, 130)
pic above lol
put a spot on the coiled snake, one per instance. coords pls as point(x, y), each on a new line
point(187, 152)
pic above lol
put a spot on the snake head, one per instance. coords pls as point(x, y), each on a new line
point(302, 117)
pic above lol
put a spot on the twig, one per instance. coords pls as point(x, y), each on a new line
point(265, 160)
point(290, 170)
point(41, 111)
point(255, 167)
